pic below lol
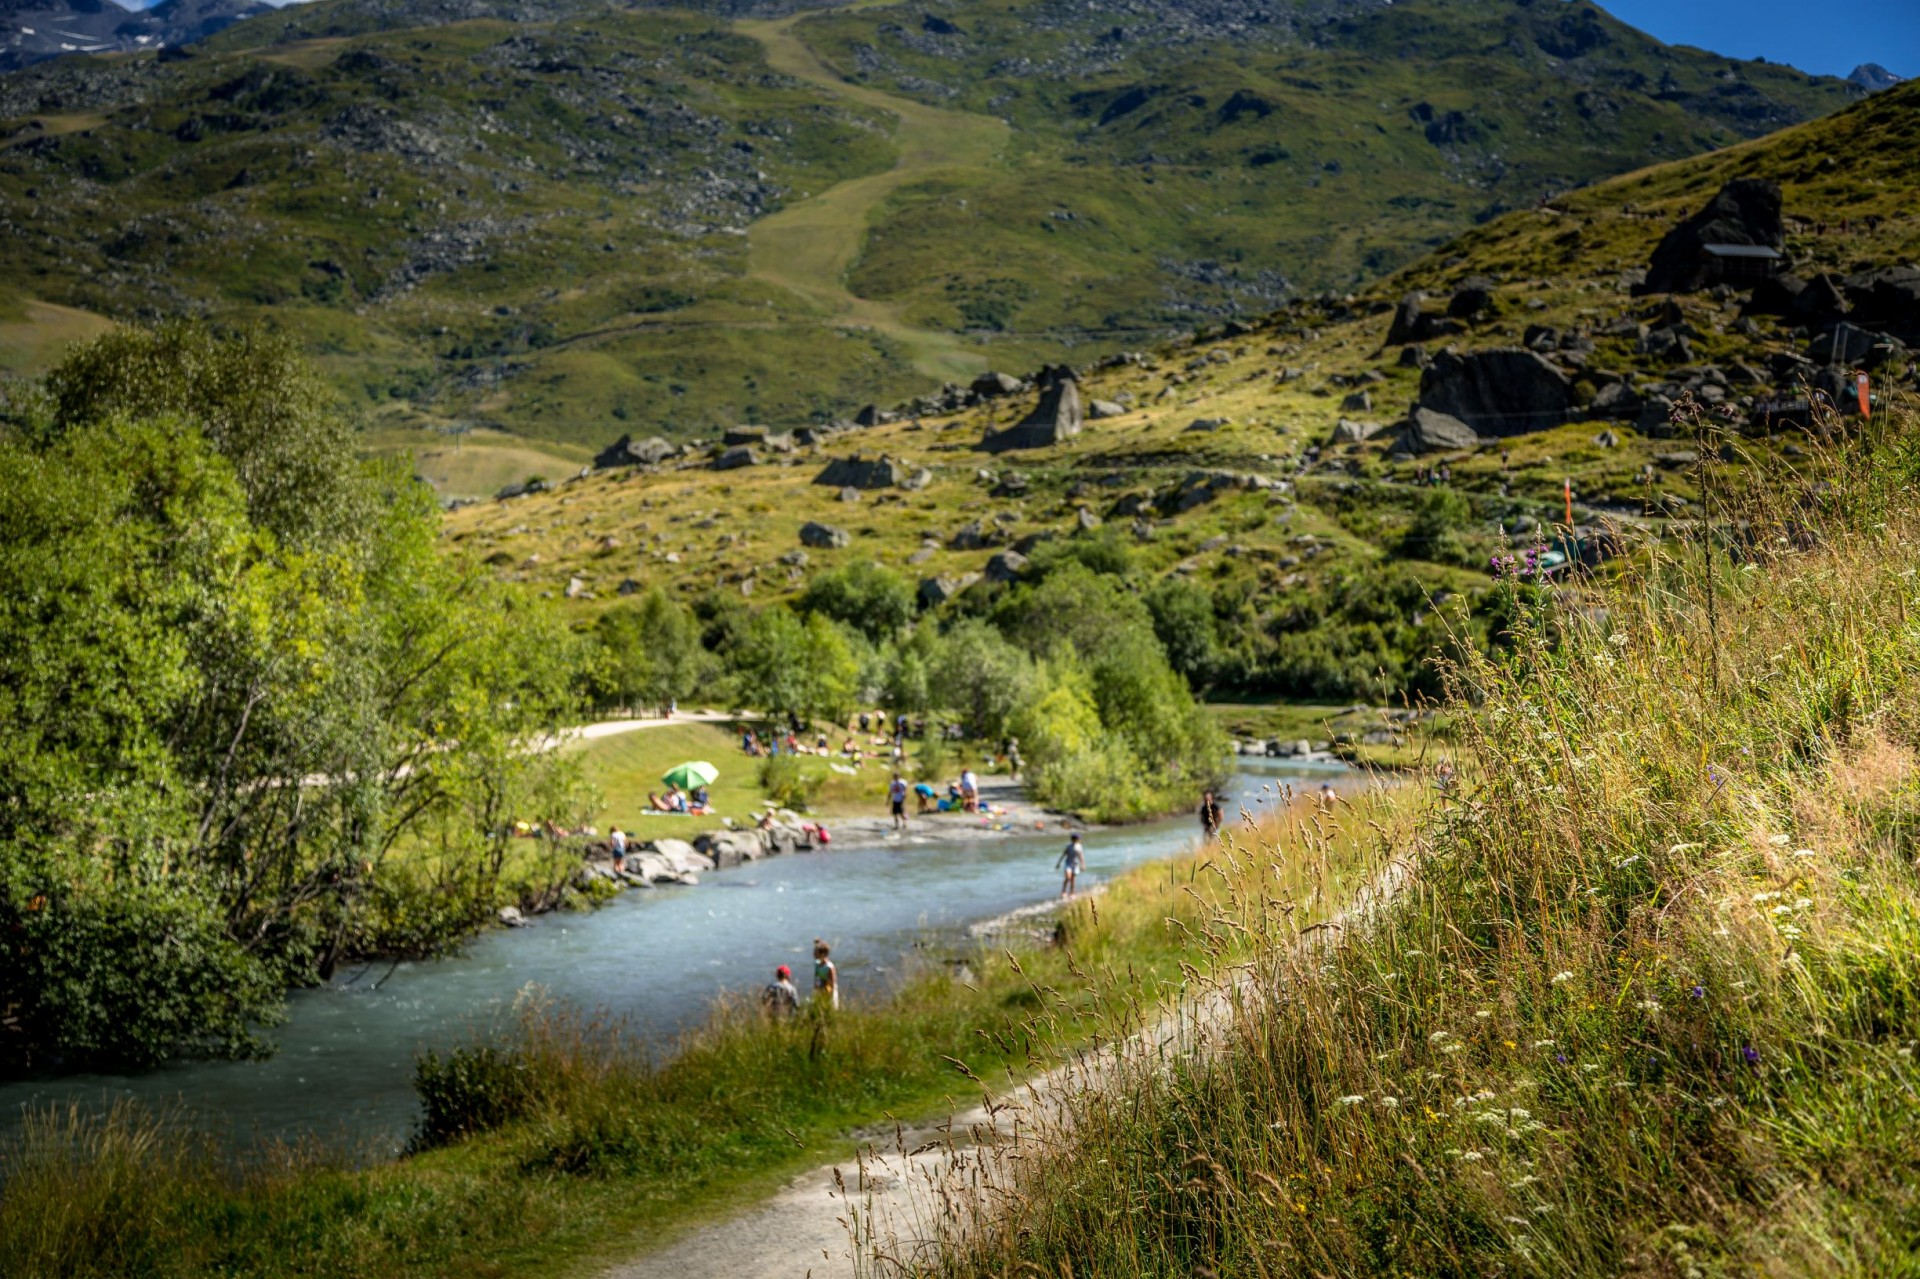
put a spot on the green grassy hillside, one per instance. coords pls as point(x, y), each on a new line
point(563, 221)
point(1319, 560)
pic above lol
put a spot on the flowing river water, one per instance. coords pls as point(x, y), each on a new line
point(343, 1070)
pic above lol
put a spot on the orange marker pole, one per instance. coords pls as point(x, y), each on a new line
point(1569, 501)
point(1866, 397)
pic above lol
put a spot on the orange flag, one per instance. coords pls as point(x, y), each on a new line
point(1866, 400)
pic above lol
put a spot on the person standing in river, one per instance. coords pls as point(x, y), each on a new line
point(1071, 860)
point(826, 978)
point(1209, 816)
point(897, 801)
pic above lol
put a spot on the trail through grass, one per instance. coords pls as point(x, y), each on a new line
point(809, 246)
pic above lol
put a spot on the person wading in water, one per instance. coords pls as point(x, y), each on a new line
point(1209, 815)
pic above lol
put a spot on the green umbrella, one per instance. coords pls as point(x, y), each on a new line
point(695, 772)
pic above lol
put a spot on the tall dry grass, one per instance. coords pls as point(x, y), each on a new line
point(1649, 1000)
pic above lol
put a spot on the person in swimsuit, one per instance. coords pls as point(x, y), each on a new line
point(826, 978)
point(1071, 860)
point(1209, 815)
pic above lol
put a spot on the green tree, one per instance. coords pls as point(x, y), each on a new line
point(871, 598)
point(982, 678)
point(1183, 620)
point(649, 653)
point(787, 666)
point(1441, 519)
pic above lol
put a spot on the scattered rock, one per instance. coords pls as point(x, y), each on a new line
point(736, 457)
point(627, 451)
point(935, 591)
point(1056, 418)
point(860, 472)
point(823, 536)
point(1098, 409)
point(1006, 566)
point(1208, 423)
point(1348, 431)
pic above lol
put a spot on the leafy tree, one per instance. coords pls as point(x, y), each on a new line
point(1441, 518)
point(787, 666)
point(649, 653)
point(871, 598)
point(982, 678)
point(1183, 620)
point(1072, 609)
point(253, 396)
point(216, 727)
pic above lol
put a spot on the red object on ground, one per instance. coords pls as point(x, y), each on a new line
point(1866, 398)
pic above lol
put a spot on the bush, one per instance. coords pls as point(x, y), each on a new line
point(471, 1090)
point(788, 782)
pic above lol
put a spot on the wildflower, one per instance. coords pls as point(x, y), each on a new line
point(1482, 1015)
point(1751, 1053)
point(1523, 1183)
point(1453, 1047)
point(1589, 1067)
point(1543, 1043)
point(1562, 977)
point(1648, 1005)
point(1509, 1043)
point(1471, 1156)
point(1698, 992)
point(1541, 1210)
point(1624, 862)
point(1438, 1036)
point(1518, 1115)
point(1804, 852)
point(1782, 910)
point(1352, 1099)
point(1391, 1103)
point(1778, 841)
point(1561, 1058)
point(1485, 1094)
point(1803, 903)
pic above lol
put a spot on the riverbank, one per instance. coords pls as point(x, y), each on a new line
point(606, 1152)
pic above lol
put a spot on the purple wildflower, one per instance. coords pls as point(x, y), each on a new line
point(1751, 1053)
point(1699, 992)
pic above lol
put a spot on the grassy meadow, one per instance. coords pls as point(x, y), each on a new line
point(553, 1145)
point(1644, 1004)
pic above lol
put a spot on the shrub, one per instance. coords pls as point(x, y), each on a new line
point(788, 782)
point(472, 1089)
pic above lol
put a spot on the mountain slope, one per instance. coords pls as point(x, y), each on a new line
point(31, 30)
point(539, 218)
point(1318, 558)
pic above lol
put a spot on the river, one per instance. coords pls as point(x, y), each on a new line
point(343, 1070)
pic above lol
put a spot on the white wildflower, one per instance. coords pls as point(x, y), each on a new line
point(1562, 976)
point(1804, 852)
point(1352, 1099)
point(1472, 1156)
point(1438, 1036)
point(1543, 1043)
point(1541, 1210)
point(1648, 1005)
point(1391, 1103)
point(1483, 1014)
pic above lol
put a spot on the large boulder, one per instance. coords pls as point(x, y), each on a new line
point(1428, 431)
point(1411, 323)
point(935, 591)
point(736, 457)
point(1348, 431)
point(1745, 212)
point(1007, 566)
point(1887, 298)
point(1498, 392)
point(823, 537)
point(859, 472)
point(991, 386)
point(727, 848)
point(1056, 418)
point(627, 451)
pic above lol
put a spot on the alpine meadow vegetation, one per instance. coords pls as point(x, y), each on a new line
point(1639, 1000)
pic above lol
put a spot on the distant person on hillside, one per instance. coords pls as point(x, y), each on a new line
point(1209, 815)
point(1072, 858)
point(826, 978)
point(780, 996)
point(617, 841)
point(897, 801)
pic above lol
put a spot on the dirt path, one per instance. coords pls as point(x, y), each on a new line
point(891, 1201)
point(808, 247)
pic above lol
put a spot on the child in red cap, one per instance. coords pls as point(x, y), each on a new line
point(780, 996)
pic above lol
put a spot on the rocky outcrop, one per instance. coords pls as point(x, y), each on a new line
point(1411, 323)
point(1498, 392)
point(858, 472)
point(1348, 431)
point(1056, 418)
point(627, 451)
point(1007, 566)
point(736, 457)
point(992, 386)
point(1745, 212)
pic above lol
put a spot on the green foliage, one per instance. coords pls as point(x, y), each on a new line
point(649, 653)
point(983, 678)
point(789, 782)
point(789, 666)
point(216, 732)
point(253, 396)
point(1184, 623)
point(1441, 518)
point(867, 597)
point(474, 1088)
